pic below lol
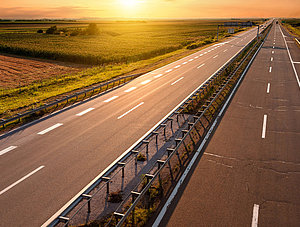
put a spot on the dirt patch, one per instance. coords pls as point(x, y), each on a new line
point(20, 71)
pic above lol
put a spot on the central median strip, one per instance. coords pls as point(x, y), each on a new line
point(22, 179)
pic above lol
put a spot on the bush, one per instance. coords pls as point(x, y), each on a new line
point(51, 30)
point(92, 29)
point(141, 157)
point(40, 31)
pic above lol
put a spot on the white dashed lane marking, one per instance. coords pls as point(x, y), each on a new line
point(110, 99)
point(130, 110)
point(85, 111)
point(177, 81)
point(7, 150)
point(130, 89)
point(50, 128)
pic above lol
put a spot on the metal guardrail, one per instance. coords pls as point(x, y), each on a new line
point(154, 175)
point(67, 99)
point(120, 163)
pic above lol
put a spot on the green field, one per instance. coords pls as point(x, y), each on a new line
point(119, 48)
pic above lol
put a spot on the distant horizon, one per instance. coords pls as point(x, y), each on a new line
point(152, 9)
point(133, 19)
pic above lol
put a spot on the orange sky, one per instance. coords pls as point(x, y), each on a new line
point(36, 9)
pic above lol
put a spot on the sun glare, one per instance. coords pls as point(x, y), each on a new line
point(129, 3)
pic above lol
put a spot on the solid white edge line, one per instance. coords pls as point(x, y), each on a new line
point(50, 129)
point(22, 179)
point(85, 111)
point(255, 216)
point(110, 99)
point(130, 89)
point(268, 88)
point(145, 82)
point(291, 60)
point(264, 128)
point(130, 110)
point(177, 81)
point(7, 150)
point(52, 218)
point(182, 178)
point(297, 41)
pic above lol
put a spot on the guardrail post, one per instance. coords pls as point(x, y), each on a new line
point(106, 179)
point(148, 177)
point(147, 145)
point(118, 216)
point(134, 195)
point(88, 197)
point(160, 163)
point(135, 153)
point(164, 126)
point(3, 123)
point(64, 220)
point(171, 119)
point(183, 132)
point(122, 165)
point(178, 140)
point(156, 136)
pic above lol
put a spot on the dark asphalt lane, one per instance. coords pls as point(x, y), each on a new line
point(83, 146)
point(240, 170)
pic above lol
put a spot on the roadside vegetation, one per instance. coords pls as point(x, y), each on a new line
point(293, 26)
point(111, 49)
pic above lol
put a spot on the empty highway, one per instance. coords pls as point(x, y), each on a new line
point(45, 165)
point(249, 173)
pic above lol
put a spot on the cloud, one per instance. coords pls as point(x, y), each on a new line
point(56, 12)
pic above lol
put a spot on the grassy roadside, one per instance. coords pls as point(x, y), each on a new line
point(292, 26)
point(13, 101)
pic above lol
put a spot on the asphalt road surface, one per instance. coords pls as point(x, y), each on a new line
point(249, 174)
point(43, 166)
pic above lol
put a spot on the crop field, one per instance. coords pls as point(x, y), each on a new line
point(20, 71)
point(117, 42)
point(119, 48)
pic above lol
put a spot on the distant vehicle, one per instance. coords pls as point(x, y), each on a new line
point(276, 22)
